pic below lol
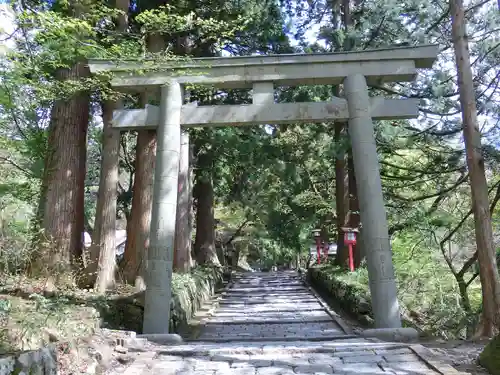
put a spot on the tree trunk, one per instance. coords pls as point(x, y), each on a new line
point(142, 198)
point(490, 319)
point(204, 245)
point(140, 214)
point(62, 205)
point(104, 240)
point(353, 217)
point(342, 7)
point(341, 197)
point(191, 199)
point(464, 295)
point(182, 249)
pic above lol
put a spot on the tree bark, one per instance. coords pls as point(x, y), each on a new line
point(140, 214)
point(103, 251)
point(142, 198)
point(351, 205)
point(182, 249)
point(341, 197)
point(204, 245)
point(353, 219)
point(63, 186)
point(490, 319)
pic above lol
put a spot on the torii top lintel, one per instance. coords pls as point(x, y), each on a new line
point(397, 64)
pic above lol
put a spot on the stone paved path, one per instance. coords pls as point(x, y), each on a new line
point(272, 324)
point(271, 306)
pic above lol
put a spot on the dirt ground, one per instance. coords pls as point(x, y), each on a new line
point(460, 354)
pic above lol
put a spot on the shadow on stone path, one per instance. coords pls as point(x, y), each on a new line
point(272, 324)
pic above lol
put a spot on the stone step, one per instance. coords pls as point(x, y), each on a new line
point(269, 283)
point(250, 301)
point(293, 314)
point(270, 299)
point(263, 310)
point(269, 331)
point(289, 338)
point(277, 294)
point(267, 296)
point(257, 308)
point(345, 355)
point(266, 275)
point(284, 362)
point(269, 290)
point(255, 283)
point(343, 345)
point(261, 320)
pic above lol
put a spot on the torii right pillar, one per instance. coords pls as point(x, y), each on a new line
point(383, 287)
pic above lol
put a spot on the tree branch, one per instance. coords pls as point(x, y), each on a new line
point(473, 259)
point(22, 169)
point(460, 181)
point(237, 233)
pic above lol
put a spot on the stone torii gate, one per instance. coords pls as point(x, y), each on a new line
point(355, 70)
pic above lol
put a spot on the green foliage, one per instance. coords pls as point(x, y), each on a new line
point(166, 19)
point(348, 290)
point(190, 291)
point(440, 313)
point(27, 319)
point(15, 211)
point(428, 291)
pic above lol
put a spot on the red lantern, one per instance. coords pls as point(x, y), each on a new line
point(317, 238)
point(350, 240)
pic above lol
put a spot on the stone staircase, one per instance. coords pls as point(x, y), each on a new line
point(270, 307)
point(272, 323)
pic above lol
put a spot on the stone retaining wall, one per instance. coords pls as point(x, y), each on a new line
point(194, 291)
point(189, 292)
point(352, 299)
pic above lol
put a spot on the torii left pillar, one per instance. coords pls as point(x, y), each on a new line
point(163, 216)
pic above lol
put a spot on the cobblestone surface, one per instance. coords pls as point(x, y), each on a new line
point(259, 308)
